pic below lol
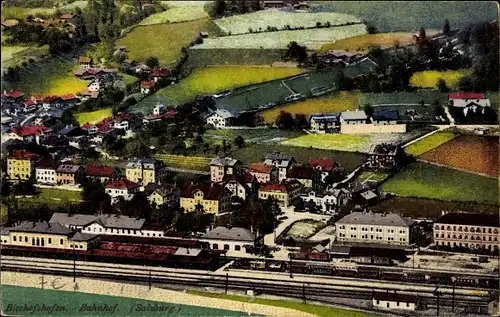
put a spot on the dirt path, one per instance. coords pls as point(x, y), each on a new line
point(142, 292)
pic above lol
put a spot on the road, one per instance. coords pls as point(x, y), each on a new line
point(183, 170)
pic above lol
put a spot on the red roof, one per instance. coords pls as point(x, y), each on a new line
point(301, 172)
point(168, 115)
point(147, 84)
point(122, 183)
point(466, 95)
point(273, 187)
point(86, 126)
point(14, 94)
point(37, 98)
point(323, 163)
point(160, 72)
point(28, 102)
point(28, 130)
point(261, 168)
point(50, 99)
point(100, 171)
point(210, 191)
point(23, 155)
point(69, 97)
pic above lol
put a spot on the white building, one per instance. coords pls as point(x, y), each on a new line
point(328, 200)
point(45, 171)
point(369, 227)
point(221, 119)
point(324, 122)
point(281, 161)
point(353, 117)
point(122, 188)
point(393, 301)
point(94, 86)
point(159, 109)
point(222, 166)
point(237, 186)
point(234, 240)
point(122, 124)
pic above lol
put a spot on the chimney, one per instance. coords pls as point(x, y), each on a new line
point(251, 228)
point(208, 229)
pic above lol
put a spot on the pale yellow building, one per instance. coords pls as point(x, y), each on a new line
point(283, 193)
point(162, 194)
point(21, 165)
point(213, 198)
point(146, 171)
point(47, 235)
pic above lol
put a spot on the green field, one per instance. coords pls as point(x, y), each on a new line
point(212, 80)
point(304, 229)
point(403, 97)
point(71, 304)
point(59, 194)
point(429, 78)
point(197, 163)
point(164, 40)
point(94, 116)
point(268, 135)
point(426, 144)
point(19, 13)
point(256, 152)
point(428, 181)
point(212, 57)
point(372, 177)
point(318, 310)
point(340, 142)
point(16, 55)
point(176, 14)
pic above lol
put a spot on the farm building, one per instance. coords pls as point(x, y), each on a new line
point(336, 57)
point(359, 68)
point(281, 161)
point(394, 301)
point(384, 156)
point(326, 200)
point(232, 239)
point(324, 122)
point(465, 100)
point(353, 117)
point(221, 119)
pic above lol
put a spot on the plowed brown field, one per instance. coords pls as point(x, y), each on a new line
point(477, 154)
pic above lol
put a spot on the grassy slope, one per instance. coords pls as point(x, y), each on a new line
point(15, 55)
point(433, 182)
point(340, 142)
point(334, 103)
point(176, 14)
point(94, 116)
point(429, 78)
point(49, 193)
point(318, 310)
point(429, 143)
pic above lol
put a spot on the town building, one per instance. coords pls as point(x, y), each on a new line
point(327, 201)
point(69, 174)
point(31, 133)
point(384, 156)
point(102, 173)
point(221, 119)
point(326, 166)
point(284, 193)
point(235, 240)
point(473, 231)
point(385, 117)
point(337, 57)
point(468, 100)
point(147, 86)
point(121, 188)
point(353, 117)
point(306, 175)
point(238, 185)
point(222, 166)
point(264, 173)
point(380, 228)
point(163, 194)
point(281, 161)
point(395, 301)
point(159, 109)
point(21, 165)
point(145, 171)
point(325, 122)
point(212, 198)
point(85, 62)
point(159, 73)
point(45, 171)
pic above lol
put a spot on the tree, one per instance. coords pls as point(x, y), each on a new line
point(466, 84)
point(220, 7)
point(301, 121)
point(255, 5)
point(298, 204)
point(297, 52)
point(422, 34)
point(368, 109)
point(446, 27)
point(239, 141)
point(152, 61)
point(285, 120)
point(441, 85)
point(370, 28)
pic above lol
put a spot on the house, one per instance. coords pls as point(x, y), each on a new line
point(121, 188)
point(337, 57)
point(380, 228)
point(324, 122)
point(13, 95)
point(144, 6)
point(395, 301)
point(86, 94)
point(29, 106)
point(471, 231)
point(120, 124)
point(281, 161)
point(45, 171)
point(221, 119)
point(159, 73)
point(264, 173)
point(325, 200)
point(71, 132)
point(50, 102)
point(212, 198)
point(353, 117)
point(326, 166)
point(145, 171)
point(306, 175)
point(21, 165)
point(85, 62)
point(369, 197)
point(284, 193)
point(384, 156)
point(235, 240)
point(90, 128)
point(360, 68)
point(222, 166)
point(52, 141)
point(32, 133)
point(102, 173)
point(147, 86)
point(163, 194)
point(468, 101)
point(70, 99)
point(385, 117)
point(49, 235)
point(69, 174)
point(237, 185)
point(94, 86)
point(159, 109)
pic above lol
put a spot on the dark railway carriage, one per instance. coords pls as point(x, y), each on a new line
point(321, 269)
point(393, 276)
point(299, 268)
point(368, 272)
point(415, 277)
point(437, 278)
point(465, 281)
point(346, 272)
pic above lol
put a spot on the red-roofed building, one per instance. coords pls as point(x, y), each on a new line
point(467, 101)
point(29, 105)
point(147, 86)
point(264, 173)
point(52, 102)
point(326, 166)
point(21, 165)
point(122, 188)
point(465, 95)
point(38, 99)
point(31, 133)
point(306, 175)
point(158, 73)
point(212, 198)
point(13, 94)
point(284, 193)
point(101, 173)
point(158, 117)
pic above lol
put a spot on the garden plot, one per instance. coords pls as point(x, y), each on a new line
point(304, 229)
point(429, 78)
point(176, 14)
point(311, 38)
point(260, 20)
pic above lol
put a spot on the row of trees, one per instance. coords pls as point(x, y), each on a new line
point(222, 7)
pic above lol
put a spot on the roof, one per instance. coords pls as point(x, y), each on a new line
point(23, 155)
point(69, 97)
point(68, 168)
point(210, 191)
point(84, 59)
point(234, 233)
point(466, 95)
point(385, 115)
point(161, 189)
point(361, 67)
point(368, 195)
point(83, 236)
point(376, 219)
point(339, 53)
point(470, 219)
point(146, 163)
point(67, 16)
point(301, 172)
point(284, 187)
point(260, 168)
point(223, 113)
point(100, 171)
point(187, 251)
point(383, 149)
point(278, 159)
point(354, 115)
point(73, 220)
point(147, 84)
point(42, 227)
point(27, 130)
point(323, 163)
point(47, 163)
point(325, 117)
point(13, 94)
point(108, 221)
point(395, 297)
point(122, 183)
point(67, 130)
point(224, 161)
point(160, 72)
point(50, 99)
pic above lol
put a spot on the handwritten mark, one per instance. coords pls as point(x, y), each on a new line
point(54, 283)
point(75, 287)
point(42, 283)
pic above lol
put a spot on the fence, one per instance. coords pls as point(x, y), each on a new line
point(372, 128)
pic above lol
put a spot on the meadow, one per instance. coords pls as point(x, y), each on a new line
point(337, 102)
point(197, 163)
point(16, 12)
point(266, 135)
point(311, 38)
point(176, 14)
point(421, 180)
point(205, 81)
point(429, 78)
point(164, 40)
point(395, 98)
point(339, 142)
point(260, 20)
point(304, 229)
point(202, 58)
point(16, 55)
point(428, 143)
point(94, 116)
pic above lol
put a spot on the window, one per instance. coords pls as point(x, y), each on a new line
point(215, 246)
point(61, 241)
point(226, 246)
point(26, 239)
point(14, 238)
point(50, 240)
point(237, 248)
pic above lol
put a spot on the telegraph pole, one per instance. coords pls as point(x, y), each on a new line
point(227, 282)
point(453, 299)
point(304, 292)
point(149, 279)
point(74, 264)
point(290, 268)
point(436, 291)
